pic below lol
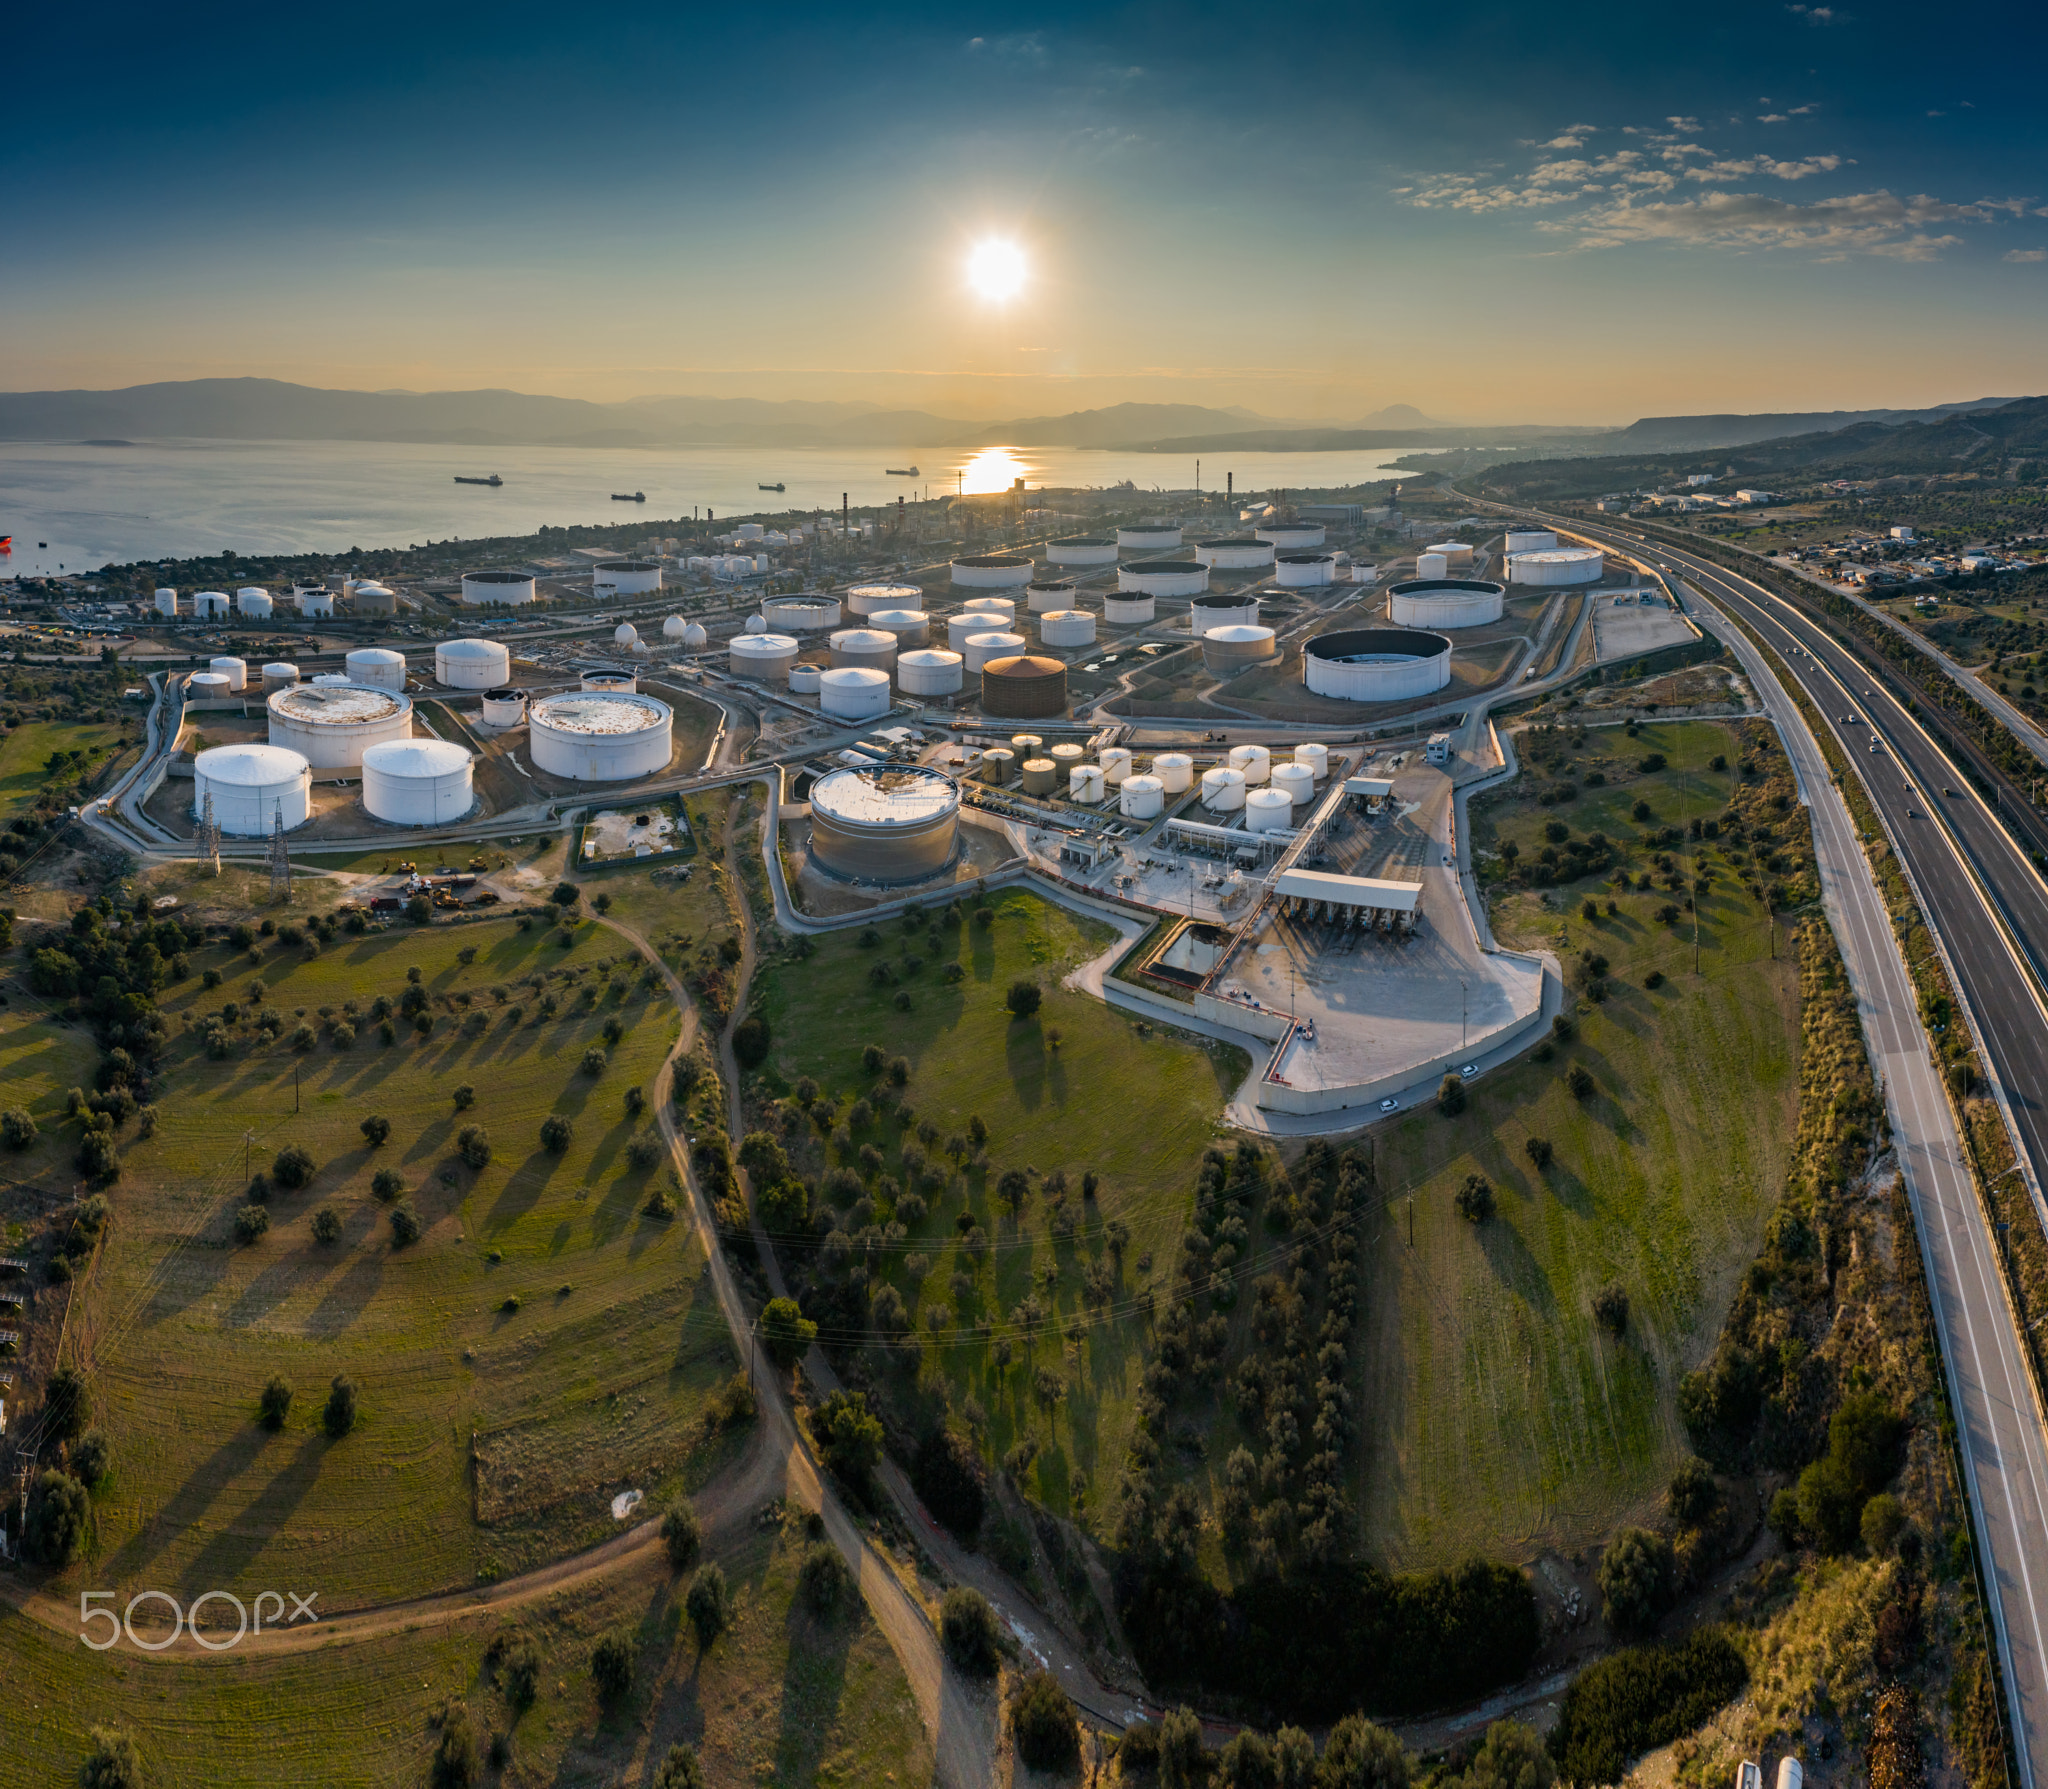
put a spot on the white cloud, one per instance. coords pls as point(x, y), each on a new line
point(1683, 124)
point(1749, 167)
point(1772, 118)
point(1874, 223)
point(2026, 255)
point(1820, 15)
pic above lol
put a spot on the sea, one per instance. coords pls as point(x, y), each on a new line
point(75, 507)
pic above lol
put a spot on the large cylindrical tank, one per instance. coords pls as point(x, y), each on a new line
point(496, 587)
point(366, 598)
point(766, 656)
point(1253, 762)
point(992, 571)
point(1153, 537)
point(805, 679)
point(885, 823)
point(1084, 782)
point(418, 782)
point(1175, 770)
point(1116, 763)
point(1222, 790)
point(1295, 781)
point(1207, 613)
point(978, 649)
point(912, 627)
point(1376, 664)
point(1528, 540)
point(865, 599)
point(1024, 687)
point(1445, 602)
point(854, 692)
point(1041, 776)
point(1558, 565)
point(235, 670)
point(1290, 537)
point(930, 671)
point(1228, 650)
point(802, 614)
point(1127, 611)
point(254, 601)
point(1267, 810)
point(964, 626)
point(873, 647)
point(625, 577)
point(331, 725)
point(1301, 571)
point(1082, 549)
point(378, 666)
point(211, 604)
point(999, 765)
point(599, 739)
point(1163, 577)
point(472, 664)
point(248, 784)
point(1315, 757)
point(1067, 627)
point(504, 708)
point(1141, 797)
point(277, 675)
point(1065, 756)
point(1234, 552)
point(208, 686)
point(1048, 594)
point(608, 683)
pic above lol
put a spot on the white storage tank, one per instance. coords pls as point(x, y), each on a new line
point(1376, 664)
point(1116, 763)
point(1528, 540)
point(1005, 606)
point(912, 627)
point(1445, 602)
point(1457, 554)
point(504, 708)
point(472, 664)
point(1163, 577)
point(674, 628)
point(885, 823)
point(1027, 745)
point(608, 683)
point(1234, 552)
point(331, 725)
point(1041, 776)
point(1315, 757)
point(1067, 627)
point(1267, 810)
point(1229, 650)
point(329, 680)
point(211, 604)
point(1208, 613)
point(378, 666)
point(1175, 771)
point(1154, 537)
point(1141, 797)
point(625, 577)
point(1431, 568)
point(930, 671)
point(1049, 594)
point(1558, 565)
point(1082, 549)
point(1222, 790)
point(626, 635)
point(1290, 537)
point(277, 675)
point(208, 686)
point(806, 614)
point(865, 599)
point(254, 601)
point(872, 647)
point(235, 670)
point(695, 639)
point(1127, 611)
point(166, 601)
point(497, 587)
point(600, 739)
point(249, 783)
point(418, 782)
point(999, 766)
point(1253, 762)
point(1084, 782)
point(854, 692)
point(992, 571)
point(315, 604)
point(1301, 571)
point(766, 656)
point(372, 599)
point(804, 679)
point(964, 626)
point(983, 649)
point(1295, 781)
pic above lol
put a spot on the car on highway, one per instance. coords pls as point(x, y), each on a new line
point(1470, 1068)
point(1390, 1105)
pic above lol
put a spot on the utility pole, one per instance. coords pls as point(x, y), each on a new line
point(1464, 1012)
point(295, 1086)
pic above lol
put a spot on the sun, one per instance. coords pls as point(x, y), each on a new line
point(996, 269)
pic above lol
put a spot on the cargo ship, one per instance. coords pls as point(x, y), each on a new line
point(494, 480)
point(901, 472)
point(770, 487)
point(629, 496)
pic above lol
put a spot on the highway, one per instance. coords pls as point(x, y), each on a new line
point(1989, 912)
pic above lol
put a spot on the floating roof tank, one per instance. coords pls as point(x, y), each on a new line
point(1234, 552)
point(992, 571)
point(504, 708)
point(1163, 577)
point(1528, 540)
point(1298, 571)
point(1047, 594)
point(865, 599)
point(1559, 565)
point(608, 683)
point(807, 614)
point(331, 725)
point(1082, 549)
point(1290, 536)
point(1127, 611)
point(885, 823)
point(497, 587)
point(1445, 602)
point(1376, 664)
point(1154, 537)
point(625, 577)
point(1207, 613)
point(599, 739)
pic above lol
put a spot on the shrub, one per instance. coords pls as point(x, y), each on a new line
point(519, 1673)
point(456, 1764)
point(252, 1223)
point(1246, 1762)
point(823, 1580)
point(1137, 1752)
point(708, 1605)
point(113, 1762)
point(339, 1416)
point(405, 1225)
point(967, 1626)
point(17, 1128)
point(1475, 1199)
point(1450, 1095)
point(474, 1145)
point(566, 895)
point(465, 1097)
point(387, 1183)
point(67, 1405)
point(555, 1133)
point(1023, 999)
point(294, 1167)
point(750, 1040)
point(1610, 1309)
point(611, 1661)
point(1693, 1495)
point(276, 1402)
point(1883, 1521)
point(91, 1457)
point(1361, 1755)
point(680, 1769)
point(948, 1476)
point(58, 1509)
point(1635, 1580)
point(786, 1333)
point(1511, 1757)
point(1641, 1698)
point(1540, 1152)
point(643, 1152)
point(1042, 1719)
point(681, 1538)
point(872, 1058)
point(1578, 1081)
point(594, 1060)
point(849, 1438)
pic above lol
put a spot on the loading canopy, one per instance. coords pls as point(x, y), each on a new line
point(1378, 788)
point(1349, 891)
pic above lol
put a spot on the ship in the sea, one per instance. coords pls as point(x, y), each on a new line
point(771, 487)
point(629, 496)
point(494, 480)
point(900, 472)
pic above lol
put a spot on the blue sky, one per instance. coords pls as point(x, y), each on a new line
point(1495, 213)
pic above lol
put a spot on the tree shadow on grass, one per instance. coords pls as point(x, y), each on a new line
point(522, 1191)
point(1516, 1268)
point(346, 1299)
point(235, 1546)
point(1024, 1049)
point(813, 1688)
point(188, 1503)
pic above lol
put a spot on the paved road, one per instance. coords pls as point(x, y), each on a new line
point(1937, 836)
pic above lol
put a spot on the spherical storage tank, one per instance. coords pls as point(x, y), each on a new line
point(1299, 571)
point(208, 686)
point(210, 603)
point(964, 626)
point(378, 666)
point(331, 725)
point(1157, 536)
point(504, 708)
point(1024, 687)
point(1559, 565)
point(608, 683)
point(626, 635)
point(865, 599)
point(235, 670)
point(1175, 771)
point(1141, 797)
point(930, 671)
point(277, 675)
point(1228, 650)
point(1253, 762)
point(873, 647)
point(624, 577)
point(805, 614)
point(1049, 594)
point(1234, 552)
point(417, 782)
point(1222, 790)
point(1376, 664)
point(1295, 781)
point(1163, 577)
point(1528, 540)
point(766, 656)
point(253, 602)
point(1290, 537)
point(912, 627)
point(1208, 613)
point(884, 823)
point(979, 650)
point(1082, 549)
point(674, 628)
point(993, 571)
point(599, 739)
point(1445, 602)
point(496, 587)
point(854, 692)
point(1267, 810)
point(1127, 611)
point(1067, 627)
point(754, 624)
point(695, 639)
point(249, 783)
point(472, 664)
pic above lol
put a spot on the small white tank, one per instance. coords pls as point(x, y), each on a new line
point(929, 671)
point(626, 634)
point(756, 625)
point(1791, 1774)
point(504, 708)
point(211, 604)
point(964, 626)
point(980, 648)
point(378, 666)
point(207, 686)
point(1116, 763)
point(1084, 782)
point(1223, 790)
point(1067, 627)
point(1128, 611)
point(610, 683)
point(278, 675)
point(1430, 566)
point(1254, 761)
point(1316, 757)
point(235, 670)
point(1295, 781)
point(253, 600)
point(804, 679)
point(1267, 810)
point(1175, 771)
point(1141, 797)
point(854, 692)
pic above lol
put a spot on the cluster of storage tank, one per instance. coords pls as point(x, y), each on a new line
point(1267, 794)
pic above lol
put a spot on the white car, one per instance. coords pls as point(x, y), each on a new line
point(1470, 1068)
point(1390, 1105)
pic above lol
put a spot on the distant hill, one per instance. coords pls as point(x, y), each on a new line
point(1677, 434)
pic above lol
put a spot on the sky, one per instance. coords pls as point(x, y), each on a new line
point(1495, 213)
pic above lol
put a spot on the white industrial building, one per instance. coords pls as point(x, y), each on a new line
point(513, 587)
point(472, 664)
point(600, 739)
point(418, 782)
point(250, 785)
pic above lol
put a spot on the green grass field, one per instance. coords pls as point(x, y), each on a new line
point(41, 1059)
point(783, 1698)
point(591, 1385)
point(24, 752)
point(1136, 1107)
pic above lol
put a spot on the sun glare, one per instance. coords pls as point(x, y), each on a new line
point(992, 469)
point(996, 269)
